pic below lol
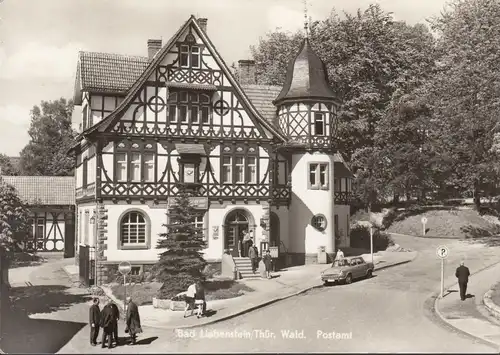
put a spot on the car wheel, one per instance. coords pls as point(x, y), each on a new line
point(369, 274)
point(326, 283)
point(348, 279)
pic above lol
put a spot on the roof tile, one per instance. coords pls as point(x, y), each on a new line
point(47, 190)
point(113, 73)
point(262, 97)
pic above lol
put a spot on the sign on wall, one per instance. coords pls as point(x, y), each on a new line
point(198, 202)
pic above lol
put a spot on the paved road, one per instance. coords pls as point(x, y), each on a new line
point(387, 313)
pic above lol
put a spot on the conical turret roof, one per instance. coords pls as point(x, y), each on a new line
point(306, 78)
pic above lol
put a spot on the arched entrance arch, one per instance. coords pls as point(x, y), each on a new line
point(274, 232)
point(236, 223)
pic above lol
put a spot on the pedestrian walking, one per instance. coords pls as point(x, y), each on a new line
point(462, 275)
point(253, 254)
point(107, 322)
point(268, 260)
point(200, 296)
point(94, 322)
point(133, 321)
point(116, 316)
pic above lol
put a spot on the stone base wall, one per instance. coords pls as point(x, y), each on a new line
point(297, 259)
point(109, 272)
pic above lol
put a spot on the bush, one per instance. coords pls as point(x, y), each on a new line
point(360, 238)
point(389, 218)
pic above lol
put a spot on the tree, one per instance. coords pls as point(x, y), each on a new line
point(465, 93)
point(7, 167)
point(51, 137)
point(13, 217)
point(182, 263)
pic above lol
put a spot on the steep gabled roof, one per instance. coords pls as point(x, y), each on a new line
point(262, 97)
point(112, 118)
point(45, 190)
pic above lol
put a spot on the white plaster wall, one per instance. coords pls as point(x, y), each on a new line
point(107, 162)
point(343, 211)
point(91, 170)
point(157, 217)
point(306, 203)
point(84, 224)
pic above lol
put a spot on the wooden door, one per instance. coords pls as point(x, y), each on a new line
point(231, 240)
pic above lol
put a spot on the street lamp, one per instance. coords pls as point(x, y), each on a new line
point(371, 240)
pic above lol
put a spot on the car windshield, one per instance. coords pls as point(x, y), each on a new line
point(340, 263)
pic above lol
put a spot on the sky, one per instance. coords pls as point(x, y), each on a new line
point(40, 39)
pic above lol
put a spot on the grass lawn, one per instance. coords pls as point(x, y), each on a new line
point(143, 294)
point(458, 223)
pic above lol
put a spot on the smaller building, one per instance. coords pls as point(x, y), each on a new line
point(51, 203)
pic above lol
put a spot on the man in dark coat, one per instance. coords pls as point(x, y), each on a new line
point(462, 275)
point(253, 254)
point(116, 316)
point(133, 320)
point(200, 295)
point(94, 321)
point(107, 322)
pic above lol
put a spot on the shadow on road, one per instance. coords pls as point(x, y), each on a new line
point(22, 334)
point(146, 341)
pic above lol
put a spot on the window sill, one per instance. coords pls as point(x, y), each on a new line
point(134, 247)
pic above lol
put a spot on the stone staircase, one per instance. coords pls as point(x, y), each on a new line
point(244, 267)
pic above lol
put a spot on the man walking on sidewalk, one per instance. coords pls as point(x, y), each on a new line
point(462, 275)
point(94, 315)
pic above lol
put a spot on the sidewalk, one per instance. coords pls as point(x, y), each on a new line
point(470, 316)
point(285, 283)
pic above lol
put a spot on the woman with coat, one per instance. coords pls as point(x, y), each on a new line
point(267, 259)
point(133, 320)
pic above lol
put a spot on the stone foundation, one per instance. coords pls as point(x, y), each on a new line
point(297, 259)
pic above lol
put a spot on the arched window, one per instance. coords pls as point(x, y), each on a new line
point(134, 230)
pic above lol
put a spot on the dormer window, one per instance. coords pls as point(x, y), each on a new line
point(189, 56)
point(319, 124)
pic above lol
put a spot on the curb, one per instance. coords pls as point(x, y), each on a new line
point(491, 306)
point(426, 237)
point(436, 311)
point(266, 303)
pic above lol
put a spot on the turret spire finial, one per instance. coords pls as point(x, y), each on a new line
point(306, 24)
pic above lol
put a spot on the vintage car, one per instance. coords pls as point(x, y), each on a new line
point(346, 270)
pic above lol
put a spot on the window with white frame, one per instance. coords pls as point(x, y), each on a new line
point(135, 167)
point(319, 124)
point(251, 174)
point(189, 56)
point(239, 167)
point(318, 176)
point(149, 167)
point(199, 223)
point(227, 169)
point(121, 166)
point(133, 229)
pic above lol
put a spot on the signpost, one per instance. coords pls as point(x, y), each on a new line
point(442, 253)
point(124, 268)
point(424, 222)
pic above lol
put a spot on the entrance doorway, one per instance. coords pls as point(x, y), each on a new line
point(237, 224)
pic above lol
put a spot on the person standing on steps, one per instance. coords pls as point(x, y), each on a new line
point(462, 275)
point(94, 321)
point(253, 254)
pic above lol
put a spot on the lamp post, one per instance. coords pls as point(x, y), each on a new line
point(371, 241)
point(93, 221)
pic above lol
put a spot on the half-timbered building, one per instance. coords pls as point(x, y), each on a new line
point(51, 204)
point(259, 159)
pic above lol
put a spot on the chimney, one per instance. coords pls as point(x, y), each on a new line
point(246, 72)
point(154, 45)
point(202, 22)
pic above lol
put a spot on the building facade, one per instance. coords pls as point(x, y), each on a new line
point(51, 204)
point(258, 159)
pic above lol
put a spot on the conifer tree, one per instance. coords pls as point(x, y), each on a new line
point(182, 263)
point(13, 217)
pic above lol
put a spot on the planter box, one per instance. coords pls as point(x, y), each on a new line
point(159, 303)
point(177, 305)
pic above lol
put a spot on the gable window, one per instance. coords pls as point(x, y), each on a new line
point(226, 169)
point(318, 176)
point(189, 56)
point(251, 174)
point(149, 167)
point(121, 167)
point(187, 107)
point(133, 229)
point(319, 124)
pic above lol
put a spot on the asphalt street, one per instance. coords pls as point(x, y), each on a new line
point(388, 313)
